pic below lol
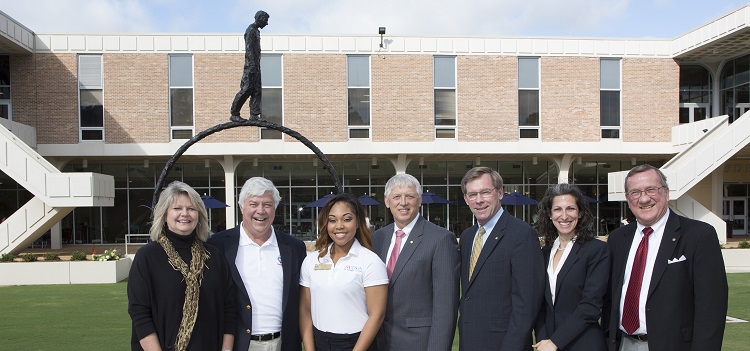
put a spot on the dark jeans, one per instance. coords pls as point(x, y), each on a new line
point(325, 341)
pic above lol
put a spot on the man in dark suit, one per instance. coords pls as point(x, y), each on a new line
point(668, 287)
point(265, 266)
point(423, 267)
point(502, 273)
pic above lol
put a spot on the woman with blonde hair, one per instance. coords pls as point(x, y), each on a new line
point(343, 284)
point(180, 291)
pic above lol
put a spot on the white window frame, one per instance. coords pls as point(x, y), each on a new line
point(279, 87)
point(90, 81)
point(619, 90)
point(351, 128)
point(172, 128)
point(538, 89)
point(453, 128)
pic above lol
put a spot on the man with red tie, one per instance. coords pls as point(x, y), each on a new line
point(668, 284)
point(422, 261)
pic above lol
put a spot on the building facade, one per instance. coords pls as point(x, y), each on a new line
point(539, 110)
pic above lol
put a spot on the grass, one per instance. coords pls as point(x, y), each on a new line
point(95, 317)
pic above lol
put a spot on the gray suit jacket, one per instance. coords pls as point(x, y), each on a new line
point(423, 291)
point(500, 302)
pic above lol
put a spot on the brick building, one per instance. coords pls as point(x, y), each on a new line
point(102, 113)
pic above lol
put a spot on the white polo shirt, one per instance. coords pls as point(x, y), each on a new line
point(263, 276)
point(337, 292)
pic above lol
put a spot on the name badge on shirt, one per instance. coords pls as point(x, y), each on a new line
point(323, 267)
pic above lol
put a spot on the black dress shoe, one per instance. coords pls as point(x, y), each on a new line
point(237, 118)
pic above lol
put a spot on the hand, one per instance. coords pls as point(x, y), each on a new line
point(545, 345)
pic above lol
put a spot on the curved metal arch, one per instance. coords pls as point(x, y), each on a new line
point(253, 122)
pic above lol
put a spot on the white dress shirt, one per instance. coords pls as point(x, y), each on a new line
point(552, 272)
point(406, 231)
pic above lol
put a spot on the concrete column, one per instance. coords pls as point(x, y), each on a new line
point(55, 237)
point(229, 165)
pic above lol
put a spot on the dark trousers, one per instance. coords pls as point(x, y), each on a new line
point(250, 87)
point(325, 341)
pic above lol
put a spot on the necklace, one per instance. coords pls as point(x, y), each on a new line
point(561, 248)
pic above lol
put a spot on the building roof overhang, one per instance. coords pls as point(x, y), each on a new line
point(724, 38)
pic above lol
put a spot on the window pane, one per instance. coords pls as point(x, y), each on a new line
point(267, 134)
point(445, 133)
point(610, 108)
point(180, 71)
point(359, 133)
point(610, 133)
point(271, 107)
point(4, 71)
point(742, 70)
point(529, 133)
point(528, 108)
point(270, 69)
point(358, 71)
point(445, 107)
point(528, 73)
point(359, 107)
point(182, 134)
point(90, 71)
point(4, 111)
point(182, 107)
point(684, 115)
point(4, 93)
point(694, 77)
point(92, 111)
point(445, 72)
point(92, 134)
point(699, 114)
point(610, 73)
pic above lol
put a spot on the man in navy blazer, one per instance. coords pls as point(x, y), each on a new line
point(502, 273)
point(265, 266)
point(423, 289)
point(681, 303)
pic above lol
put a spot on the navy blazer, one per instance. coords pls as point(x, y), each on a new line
point(572, 322)
point(500, 303)
point(686, 305)
point(293, 252)
point(423, 291)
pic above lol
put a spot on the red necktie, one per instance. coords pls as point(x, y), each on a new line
point(394, 253)
point(630, 317)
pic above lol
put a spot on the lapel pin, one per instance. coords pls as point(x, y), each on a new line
point(411, 241)
point(674, 239)
point(495, 238)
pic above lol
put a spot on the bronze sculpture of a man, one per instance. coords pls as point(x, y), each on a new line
point(251, 85)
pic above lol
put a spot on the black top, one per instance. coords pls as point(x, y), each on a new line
point(156, 293)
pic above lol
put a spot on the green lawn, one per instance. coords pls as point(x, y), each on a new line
point(95, 317)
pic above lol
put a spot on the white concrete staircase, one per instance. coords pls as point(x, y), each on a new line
point(55, 194)
point(701, 148)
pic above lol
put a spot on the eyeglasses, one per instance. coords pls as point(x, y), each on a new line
point(636, 194)
point(486, 194)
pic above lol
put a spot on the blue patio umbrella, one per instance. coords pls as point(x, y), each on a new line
point(432, 198)
point(211, 202)
point(590, 199)
point(320, 202)
point(367, 200)
point(516, 199)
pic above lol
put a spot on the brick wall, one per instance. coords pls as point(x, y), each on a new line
point(650, 91)
point(487, 92)
point(570, 99)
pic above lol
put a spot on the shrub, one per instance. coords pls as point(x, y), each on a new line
point(28, 257)
point(77, 256)
point(109, 255)
point(52, 256)
point(7, 257)
point(744, 244)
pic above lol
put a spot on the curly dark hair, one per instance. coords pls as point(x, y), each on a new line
point(584, 228)
point(363, 231)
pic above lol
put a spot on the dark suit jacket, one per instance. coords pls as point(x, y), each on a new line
point(687, 301)
point(293, 252)
point(500, 303)
point(572, 322)
point(423, 291)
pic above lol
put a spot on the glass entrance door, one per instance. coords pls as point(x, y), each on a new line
point(735, 212)
point(693, 112)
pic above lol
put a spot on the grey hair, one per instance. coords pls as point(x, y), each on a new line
point(257, 186)
point(400, 180)
point(643, 168)
point(167, 197)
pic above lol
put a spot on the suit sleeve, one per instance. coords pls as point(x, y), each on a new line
point(588, 310)
point(445, 286)
point(527, 284)
point(711, 290)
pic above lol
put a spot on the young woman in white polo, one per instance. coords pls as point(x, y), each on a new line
point(344, 285)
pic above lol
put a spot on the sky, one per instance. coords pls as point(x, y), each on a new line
point(666, 19)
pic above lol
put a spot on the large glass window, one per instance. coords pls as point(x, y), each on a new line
point(91, 98)
point(358, 84)
point(272, 107)
point(695, 93)
point(181, 96)
point(609, 97)
point(528, 97)
point(734, 95)
point(5, 110)
point(445, 96)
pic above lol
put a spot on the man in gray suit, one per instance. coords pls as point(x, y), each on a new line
point(422, 261)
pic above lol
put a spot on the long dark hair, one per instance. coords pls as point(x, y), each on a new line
point(363, 231)
point(584, 228)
